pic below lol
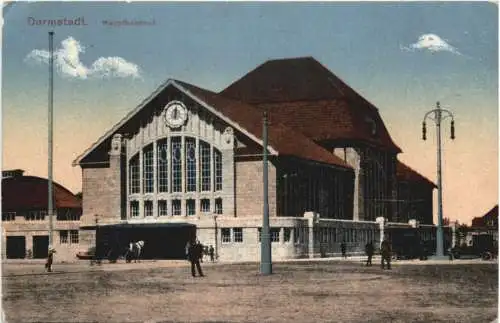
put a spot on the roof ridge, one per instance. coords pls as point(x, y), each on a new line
point(417, 173)
point(279, 123)
point(39, 178)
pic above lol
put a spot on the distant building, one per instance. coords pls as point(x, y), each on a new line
point(484, 225)
point(188, 158)
point(25, 222)
point(489, 221)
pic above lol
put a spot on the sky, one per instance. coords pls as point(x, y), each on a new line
point(403, 57)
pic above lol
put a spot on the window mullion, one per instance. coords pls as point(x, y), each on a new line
point(212, 171)
point(183, 174)
point(168, 157)
point(198, 175)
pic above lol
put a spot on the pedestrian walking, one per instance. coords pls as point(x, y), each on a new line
point(50, 259)
point(450, 253)
point(195, 251)
point(343, 249)
point(386, 253)
point(211, 252)
point(369, 249)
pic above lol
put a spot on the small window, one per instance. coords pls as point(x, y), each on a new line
point(218, 206)
point(238, 234)
point(134, 209)
point(162, 208)
point(73, 235)
point(205, 206)
point(176, 207)
point(8, 216)
point(32, 216)
point(190, 207)
point(226, 235)
point(148, 208)
point(287, 232)
point(63, 237)
point(275, 234)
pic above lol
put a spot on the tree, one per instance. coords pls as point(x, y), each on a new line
point(446, 221)
point(79, 195)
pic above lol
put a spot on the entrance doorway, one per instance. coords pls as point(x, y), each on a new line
point(16, 247)
point(40, 247)
point(162, 241)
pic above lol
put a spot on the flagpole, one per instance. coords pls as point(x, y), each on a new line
point(50, 148)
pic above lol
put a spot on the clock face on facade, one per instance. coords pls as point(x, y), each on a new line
point(175, 114)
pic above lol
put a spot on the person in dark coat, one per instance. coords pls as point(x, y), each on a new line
point(386, 253)
point(369, 249)
point(50, 259)
point(195, 251)
point(343, 249)
point(211, 252)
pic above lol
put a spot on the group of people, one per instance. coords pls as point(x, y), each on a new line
point(385, 253)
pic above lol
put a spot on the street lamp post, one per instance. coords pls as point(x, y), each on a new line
point(265, 239)
point(50, 205)
point(439, 116)
point(216, 238)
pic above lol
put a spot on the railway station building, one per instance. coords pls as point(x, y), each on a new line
point(189, 161)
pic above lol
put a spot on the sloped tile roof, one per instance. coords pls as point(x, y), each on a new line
point(282, 138)
point(407, 174)
point(304, 94)
point(31, 192)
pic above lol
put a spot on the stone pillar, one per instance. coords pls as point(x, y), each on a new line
point(312, 218)
point(228, 189)
point(114, 179)
point(454, 228)
point(381, 223)
point(394, 209)
point(353, 158)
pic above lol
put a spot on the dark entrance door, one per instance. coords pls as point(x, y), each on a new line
point(162, 241)
point(40, 246)
point(16, 247)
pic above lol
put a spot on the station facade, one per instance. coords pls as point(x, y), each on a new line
point(189, 157)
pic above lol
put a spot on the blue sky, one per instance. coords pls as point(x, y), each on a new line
point(213, 44)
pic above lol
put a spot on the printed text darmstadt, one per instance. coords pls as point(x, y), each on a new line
point(76, 21)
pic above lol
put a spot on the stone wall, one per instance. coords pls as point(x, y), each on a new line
point(249, 188)
point(29, 229)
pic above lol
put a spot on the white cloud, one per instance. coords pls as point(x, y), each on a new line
point(432, 43)
point(67, 61)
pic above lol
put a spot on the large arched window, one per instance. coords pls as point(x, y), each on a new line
point(173, 166)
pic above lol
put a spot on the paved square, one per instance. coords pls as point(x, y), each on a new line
point(320, 291)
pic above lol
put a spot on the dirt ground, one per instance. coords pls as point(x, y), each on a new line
point(326, 291)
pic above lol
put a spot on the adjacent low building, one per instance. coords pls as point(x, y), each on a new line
point(25, 222)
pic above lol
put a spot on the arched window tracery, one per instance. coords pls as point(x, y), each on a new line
point(171, 170)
